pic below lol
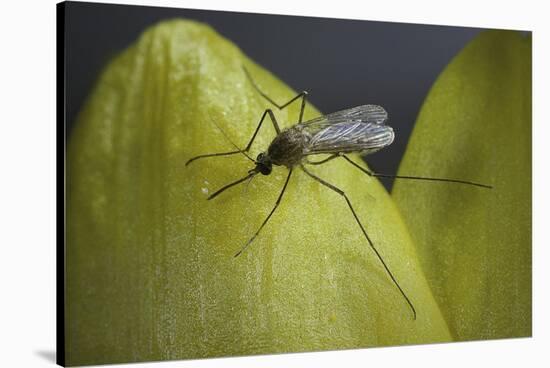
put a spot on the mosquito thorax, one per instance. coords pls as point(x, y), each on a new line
point(263, 164)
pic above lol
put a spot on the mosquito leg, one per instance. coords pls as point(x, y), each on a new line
point(331, 157)
point(275, 125)
point(343, 194)
point(371, 173)
point(216, 193)
point(268, 216)
point(273, 120)
point(211, 155)
point(302, 95)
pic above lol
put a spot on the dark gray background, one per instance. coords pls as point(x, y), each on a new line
point(341, 63)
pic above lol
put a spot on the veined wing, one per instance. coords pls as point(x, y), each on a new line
point(361, 114)
point(358, 129)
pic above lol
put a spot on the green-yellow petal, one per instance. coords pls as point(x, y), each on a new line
point(150, 267)
point(475, 244)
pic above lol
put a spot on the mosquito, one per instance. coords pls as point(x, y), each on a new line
point(360, 129)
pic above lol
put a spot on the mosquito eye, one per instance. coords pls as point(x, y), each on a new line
point(265, 169)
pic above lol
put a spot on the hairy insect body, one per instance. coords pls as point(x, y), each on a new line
point(287, 149)
point(359, 129)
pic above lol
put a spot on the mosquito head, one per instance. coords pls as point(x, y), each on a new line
point(263, 164)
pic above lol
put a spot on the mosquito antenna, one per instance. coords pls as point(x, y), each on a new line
point(229, 139)
point(251, 173)
point(248, 182)
point(370, 173)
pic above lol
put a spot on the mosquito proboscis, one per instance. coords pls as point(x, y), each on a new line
point(360, 129)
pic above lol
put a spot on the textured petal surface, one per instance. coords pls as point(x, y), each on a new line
point(150, 267)
point(475, 244)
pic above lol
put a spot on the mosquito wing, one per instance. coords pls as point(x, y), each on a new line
point(359, 129)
